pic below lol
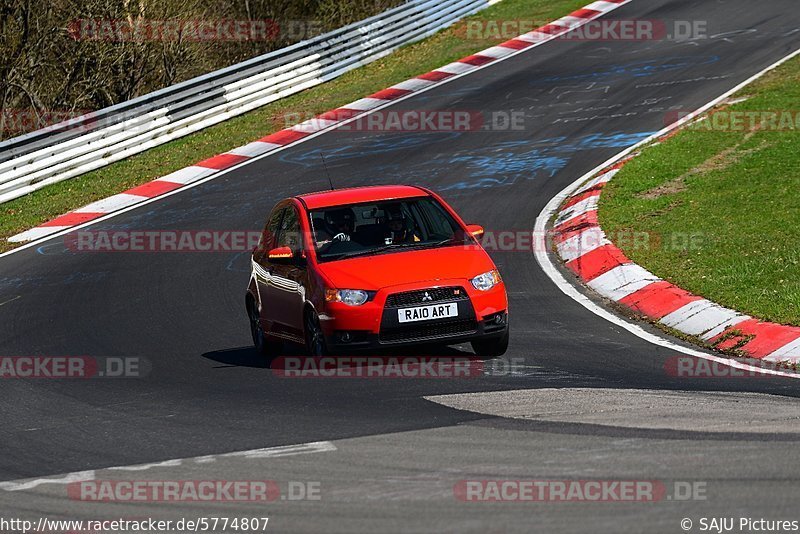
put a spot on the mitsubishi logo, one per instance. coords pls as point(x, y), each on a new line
point(426, 297)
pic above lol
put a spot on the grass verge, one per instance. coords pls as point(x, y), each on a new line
point(444, 47)
point(721, 204)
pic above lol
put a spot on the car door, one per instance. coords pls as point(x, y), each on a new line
point(262, 267)
point(284, 289)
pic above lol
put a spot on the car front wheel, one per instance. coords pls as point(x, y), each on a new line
point(315, 340)
point(265, 346)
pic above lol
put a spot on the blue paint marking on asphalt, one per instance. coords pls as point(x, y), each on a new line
point(53, 249)
point(505, 163)
point(231, 266)
point(40, 281)
point(634, 69)
point(505, 168)
point(496, 164)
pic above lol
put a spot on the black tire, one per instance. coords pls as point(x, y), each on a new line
point(315, 340)
point(491, 348)
point(266, 347)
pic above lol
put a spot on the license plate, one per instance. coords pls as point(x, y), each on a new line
point(427, 313)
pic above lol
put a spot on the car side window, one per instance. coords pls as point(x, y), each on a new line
point(289, 234)
point(271, 229)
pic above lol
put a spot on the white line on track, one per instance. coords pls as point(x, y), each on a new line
point(268, 452)
point(21, 485)
point(10, 300)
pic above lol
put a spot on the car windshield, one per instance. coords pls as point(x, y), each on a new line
point(381, 227)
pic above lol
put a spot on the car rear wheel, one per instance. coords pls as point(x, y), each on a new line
point(491, 348)
point(315, 340)
point(266, 347)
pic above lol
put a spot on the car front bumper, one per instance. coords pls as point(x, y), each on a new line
point(375, 325)
point(360, 341)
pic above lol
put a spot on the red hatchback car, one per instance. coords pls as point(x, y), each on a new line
point(373, 267)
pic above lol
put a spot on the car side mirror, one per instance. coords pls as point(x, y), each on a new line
point(281, 255)
point(476, 230)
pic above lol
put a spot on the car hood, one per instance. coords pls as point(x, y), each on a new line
point(396, 268)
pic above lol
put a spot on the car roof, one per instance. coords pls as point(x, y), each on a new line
point(357, 195)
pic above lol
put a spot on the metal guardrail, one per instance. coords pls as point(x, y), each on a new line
point(74, 147)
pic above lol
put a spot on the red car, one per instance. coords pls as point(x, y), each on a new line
point(373, 267)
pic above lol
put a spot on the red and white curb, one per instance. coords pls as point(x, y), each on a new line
point(587, 251)
point(283, 138)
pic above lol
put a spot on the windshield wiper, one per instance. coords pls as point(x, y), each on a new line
point(393, 246)
point(452, 240)
point(358, 253)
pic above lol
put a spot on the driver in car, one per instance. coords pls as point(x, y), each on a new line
point(397, 227)
point(339, 226)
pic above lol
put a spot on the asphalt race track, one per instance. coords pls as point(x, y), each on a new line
point(396, 454)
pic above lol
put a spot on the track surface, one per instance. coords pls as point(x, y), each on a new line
point(207, 393)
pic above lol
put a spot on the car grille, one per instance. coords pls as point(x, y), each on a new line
point(429, 331)
point(414, 298)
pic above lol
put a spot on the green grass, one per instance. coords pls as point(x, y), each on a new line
point(412, 60)
point(724, 205)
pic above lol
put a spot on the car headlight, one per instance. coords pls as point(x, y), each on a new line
point(486, 281)
point(351, 297)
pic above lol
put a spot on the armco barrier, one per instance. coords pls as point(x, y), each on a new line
point(74, 147)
